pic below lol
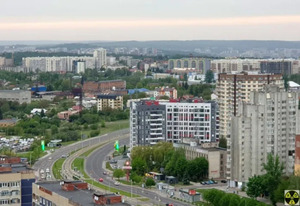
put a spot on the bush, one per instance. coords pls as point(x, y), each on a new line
point(150, 182)
point(94, 133)
point(94, 126)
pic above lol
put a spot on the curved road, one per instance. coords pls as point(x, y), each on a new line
point(48, 160)
point(93, 166)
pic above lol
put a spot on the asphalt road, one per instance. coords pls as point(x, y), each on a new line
point(48, 160)
point(93, 166)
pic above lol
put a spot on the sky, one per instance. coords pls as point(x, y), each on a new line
point(118, 20)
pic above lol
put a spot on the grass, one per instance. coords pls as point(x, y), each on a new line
point(108, 166)
point(79, 164)
point(109, 127)
point(57, 168)
point(113, 190)
point(129, 183)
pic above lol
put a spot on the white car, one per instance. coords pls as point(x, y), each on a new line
point(47, 170)
point(117, 183)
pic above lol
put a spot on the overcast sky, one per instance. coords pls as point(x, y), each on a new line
point(149, 19)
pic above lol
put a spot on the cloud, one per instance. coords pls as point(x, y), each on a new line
point(132, 23)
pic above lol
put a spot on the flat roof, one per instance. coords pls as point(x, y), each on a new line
point(82, 197)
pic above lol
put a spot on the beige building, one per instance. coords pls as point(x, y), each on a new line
point(198, 65)
point(215, 156)
point(111, 101)
point(232, 88)
point(235, 65)
point(267, 124)
point(15, 182)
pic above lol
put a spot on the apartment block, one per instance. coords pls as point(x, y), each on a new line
point(198, 64)
point(70, 193)
point(154, 121)
point(235, 65)
point(231, 88)
point(100, 57)
point(20, 96)
point(266, 124)
point(15, 182)
point(276, 66)
point(111, 101)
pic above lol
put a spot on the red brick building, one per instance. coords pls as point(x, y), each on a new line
point(103, 86)
point(107, 199)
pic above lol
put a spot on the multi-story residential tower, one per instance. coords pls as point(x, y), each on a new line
point(234, 87)
point(267, 124)
point(153, 121)
point(235, 65)
point(15, 182)
point(147, 123)
point(200, 65)
point(100, 57)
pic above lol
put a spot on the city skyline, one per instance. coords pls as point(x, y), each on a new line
point(150, 20)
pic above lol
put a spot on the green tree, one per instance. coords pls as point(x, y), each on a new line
point(118, 173)
point(274, 170)
point(223, 142)
point(209, 76)
point(150, 182)
point(256, 186)
point(139, 166)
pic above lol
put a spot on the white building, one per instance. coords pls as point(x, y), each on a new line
point(267, 124)
point(100, 57)
point(154, 121)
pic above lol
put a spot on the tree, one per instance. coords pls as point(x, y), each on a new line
point(223, 142)
point(139, 166)
point(102, 123)
point(150, 182)
point(209, 76)
point(118, 173)
point(1, 115)
point(274, 171)
point(256, 186)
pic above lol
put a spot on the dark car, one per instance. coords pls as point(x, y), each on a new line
point(203, 183)
point(223, 181)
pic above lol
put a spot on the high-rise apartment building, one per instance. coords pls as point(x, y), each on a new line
point(276, 66)
point(266, 124)
point(153, 121)
point(235, 65)
point(234, 87)
point(100, 57)
point(15, 182)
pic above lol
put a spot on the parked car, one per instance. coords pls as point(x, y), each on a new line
point(223, 181)
point(100, 179)
point(203, 183)
point(113, 161)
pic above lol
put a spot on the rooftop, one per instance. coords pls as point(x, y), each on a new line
point(13, 120)
point(82, 197)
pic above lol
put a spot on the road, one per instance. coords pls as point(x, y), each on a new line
point(49, 160)
point(94, 168)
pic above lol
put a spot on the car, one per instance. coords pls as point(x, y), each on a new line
point(113, 161)
point(209, 182)
point(223, 181)
point(64, 156)
point(47, 170)
point(117, 183)
point(203, 183)
point(105, 173)
point(100, 179)
point(50, 158)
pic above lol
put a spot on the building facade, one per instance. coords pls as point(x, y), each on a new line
point(266, 124)
point(100, 58)
point(200, 65)
point(20, 96)
point(154, 121)
point(276, 67)
point(235, 65)
point(103, 86)
point(165, 91)
point(215, 156)
point(231, 88)
point(111, 101)
point(15, 182)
